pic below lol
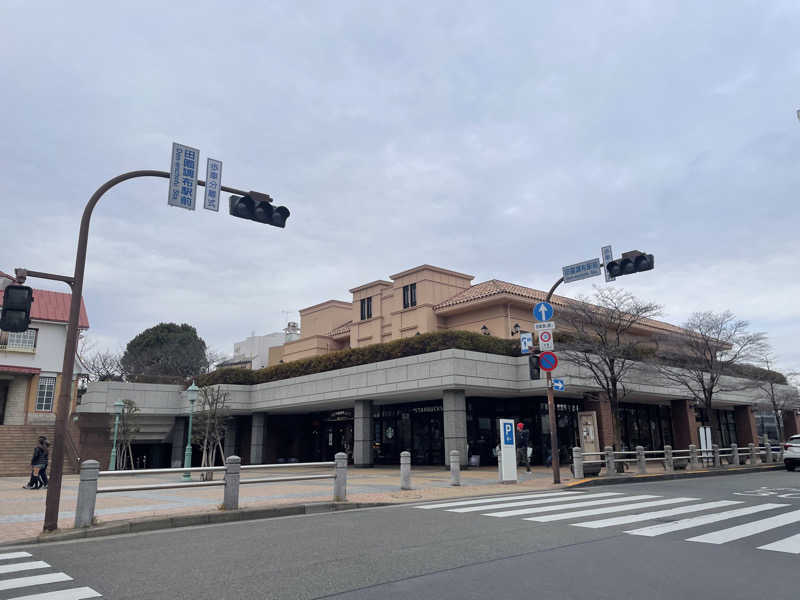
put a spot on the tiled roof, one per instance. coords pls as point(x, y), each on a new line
point(341, 329)
point(54, 306)
point(494, 287)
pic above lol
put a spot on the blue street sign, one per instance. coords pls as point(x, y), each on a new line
point(525, 342)
point(558, 385)
point(508, 434)
point(543, 311)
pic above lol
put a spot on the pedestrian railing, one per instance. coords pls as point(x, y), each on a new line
point(90, 475)
point(690, 459)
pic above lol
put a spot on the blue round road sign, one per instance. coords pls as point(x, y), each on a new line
point(543, 311)
point(548, 361)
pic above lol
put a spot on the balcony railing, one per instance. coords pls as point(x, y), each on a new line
point(12, 347)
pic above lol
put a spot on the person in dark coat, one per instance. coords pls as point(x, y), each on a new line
point(523, 441)
point(39, 465)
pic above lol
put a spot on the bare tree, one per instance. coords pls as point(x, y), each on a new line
point(209, 426)
point(777, 398)
point(100, 365)
point(213, 358)
point(609, 340)
point(128, 428)
point(717, 346)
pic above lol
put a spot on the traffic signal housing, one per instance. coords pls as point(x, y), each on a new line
point(258, 207)
point(16, 312)
point(533, 366)
point(630, 263)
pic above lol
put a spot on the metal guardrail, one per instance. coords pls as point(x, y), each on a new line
point(691, 458)
point(90, 474)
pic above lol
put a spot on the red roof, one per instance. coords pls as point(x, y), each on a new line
point(24, 370)
point(54, 306)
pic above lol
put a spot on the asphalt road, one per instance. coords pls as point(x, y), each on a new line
point(412, 552)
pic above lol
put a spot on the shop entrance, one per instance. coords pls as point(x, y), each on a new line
point(332, 433)
point(417, 428)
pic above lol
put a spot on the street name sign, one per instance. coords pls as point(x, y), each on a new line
point(183, 176)
point(548, 361)
point(213, 184)
point(546, 326)
point(545, 340)
point(558, 385)
point(608, 256)
point(543, 311)
point(581, 270)
point(525, 342)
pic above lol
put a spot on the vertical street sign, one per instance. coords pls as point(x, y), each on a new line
point(213, 184)
point(545, 340)
point(183, 176)
point(525, 342)
point(608, 256)
point(507, 461)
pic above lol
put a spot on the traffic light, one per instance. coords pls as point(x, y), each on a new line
point(533, 366)
point(258, 207)
point(16, 313)
point(630, 263)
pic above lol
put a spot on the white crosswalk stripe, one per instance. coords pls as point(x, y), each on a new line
point(43, 581)
point(527, 503)
point(790, 545)
point(11, 555)
point(663, 528)
point(73, 594)
point(609, 509)
point(23, 566)
point(747, 529)
point(495, 500)
point(582, 504)
point(659, 514)
point(577, 506)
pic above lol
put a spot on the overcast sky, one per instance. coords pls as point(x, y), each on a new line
point(503, 140)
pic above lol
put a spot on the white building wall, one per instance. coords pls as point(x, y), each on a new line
point(256, 348)
point(49, 355)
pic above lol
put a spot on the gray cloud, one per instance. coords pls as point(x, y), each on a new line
point(504, 141)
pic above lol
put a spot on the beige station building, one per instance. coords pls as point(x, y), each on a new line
point(430, 403)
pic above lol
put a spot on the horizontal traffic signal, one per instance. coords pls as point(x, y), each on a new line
point(630, 263)
point(16, 312)
point(258, 207)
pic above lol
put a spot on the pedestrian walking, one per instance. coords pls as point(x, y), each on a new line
point(523, 441)
point(39, 465)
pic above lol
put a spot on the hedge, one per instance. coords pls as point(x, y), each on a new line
point(340, 359)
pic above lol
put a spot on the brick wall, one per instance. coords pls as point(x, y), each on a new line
point(16, 448)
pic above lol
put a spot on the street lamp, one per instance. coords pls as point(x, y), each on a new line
point(485, 330)
point(515, 330)
point(191, 395)
point(112, 463)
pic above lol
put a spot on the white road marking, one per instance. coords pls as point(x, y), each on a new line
point(14, 555)
point(10, 584)
point(23, 566)
point(527, 503)
point(747, 529)
point(490, 500)
point(662, 528)
point(609, 509)
point(649, 516)
point(790, 545)
point(72, 594)
point(541, 509)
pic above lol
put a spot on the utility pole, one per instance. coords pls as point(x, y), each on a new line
point(551, 410)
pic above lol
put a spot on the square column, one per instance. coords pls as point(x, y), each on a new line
point(362, 433)
point(229, 442)
point(684, 426)
point(178, 442)
point(605, 420)
point(454, 407)
point(746, 432)
point(257, 439)
point(791, 424)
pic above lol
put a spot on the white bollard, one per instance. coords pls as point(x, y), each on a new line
point(577, 462)
point(735, 455)
point(340, 477)
point(405, 470)
point(611, 467)
point(87, 493)
point(692, 457)
point(669, 465)
point(233, 472)
point(641, 461)
point(455, 467)
point(715, 451)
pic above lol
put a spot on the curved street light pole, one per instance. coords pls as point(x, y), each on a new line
point(551, 410)
point(71, 345)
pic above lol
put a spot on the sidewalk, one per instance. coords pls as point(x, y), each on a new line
point(22, 511)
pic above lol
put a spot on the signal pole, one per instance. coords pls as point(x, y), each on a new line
point(551, 410)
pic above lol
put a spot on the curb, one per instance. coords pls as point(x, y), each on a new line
point(595, 481)
point(209, 518)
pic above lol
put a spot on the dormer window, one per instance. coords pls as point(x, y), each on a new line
point(366, 308)
point(409, 295)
